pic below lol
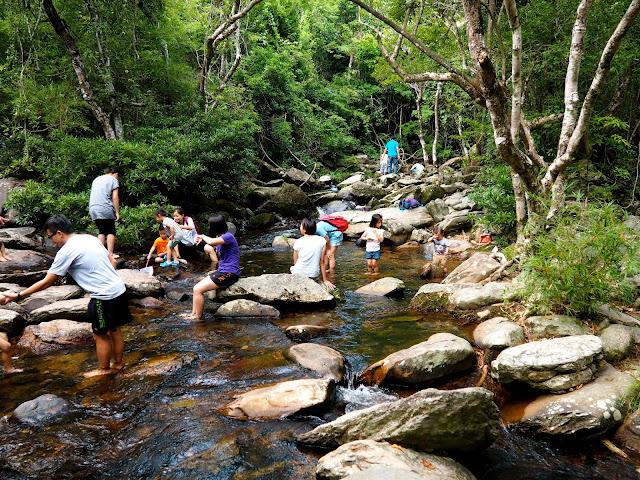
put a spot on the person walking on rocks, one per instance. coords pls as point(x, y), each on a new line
point(308, 253)
point(228, 271)
point(391, 149)
point(86, 260)
point(104, 207)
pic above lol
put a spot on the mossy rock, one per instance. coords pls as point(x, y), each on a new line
point(429, 193)
point(290, 201)
point(262, 221)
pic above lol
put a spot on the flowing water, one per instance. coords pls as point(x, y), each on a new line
point(136, 425)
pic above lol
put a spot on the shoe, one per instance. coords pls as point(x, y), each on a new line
point(165, 264)
point(174, 264)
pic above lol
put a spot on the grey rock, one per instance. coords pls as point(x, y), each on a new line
point(291, 201)
point(54, 335)
point(14, 238)
point(628, 435)
point(420, 235)
point(44, 410)
point(555, 365)
point(364, 192)
point(351, 180)
point(387, 286)
point(473, 270)
point(435, 296)
point(457, 221)
point(377, 458)
point(428, 193)
point(551, 326)
point(617, 342)
point(305, 332)
point(75, 309)
point(588, 412)
point(281, 241)
point(322, 360)
point(262, 221)
point(325, 180)
point(298, 177)
point(22, 261)
point(51, 295)
point(140, 284)
point(618, 317)
point(460, 420)
point(247, 308)
point(497, 334)
point(474, 298)
point(438, 210)
point(441, 355)
point(11, 321)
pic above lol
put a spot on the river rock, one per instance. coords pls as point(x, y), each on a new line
point(140, 284)
point(10, 286)
point(551, 326)
point(22, 261)
point(429, 193)
point(324, 180)
point(161, 366)
point(459, 201)
point(588, 412)
point(388, 287)
point(262, 221)
point(298, 177)
point(618, 317)
point(147, 302)
point(259, 195)
point(617, 342)
point(43, 410)
point(56, 334)
point(474, 270)
point(282, 241)
point(350, 180)
point(75, 309)
point(628, 435)
point(11, 321)
point(364, 191)
point(281, 400)
point(497, 334)
point(473, 298)
point(456, 222)
point(441, 355)
point(435, 296)
point(322, 360)
point(359, 219)
point(420, 235)
point(281, 290)
point(51, 295)
point(14, 238)
point(363, 456)
point(555, 365)
point(305, 332)
point(460, 420)
point(291, 201)
point(247, 308)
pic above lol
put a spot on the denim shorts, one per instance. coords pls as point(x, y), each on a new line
point(335, 238)
point(373, 255)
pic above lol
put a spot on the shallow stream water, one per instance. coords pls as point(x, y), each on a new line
point(132, 426)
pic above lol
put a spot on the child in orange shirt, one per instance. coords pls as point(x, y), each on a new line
point(160, 246)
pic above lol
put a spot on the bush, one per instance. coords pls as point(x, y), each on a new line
point(582, 262)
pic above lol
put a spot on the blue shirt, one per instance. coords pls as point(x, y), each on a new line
point(324, 228)
point(392, 148)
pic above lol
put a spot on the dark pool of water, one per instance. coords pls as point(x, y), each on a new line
point(134, 426)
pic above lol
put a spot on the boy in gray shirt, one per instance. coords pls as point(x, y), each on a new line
point(104, 207)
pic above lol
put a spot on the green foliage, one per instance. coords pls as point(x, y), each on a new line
point(581, 262)
point(138, 227)
point(493, 192)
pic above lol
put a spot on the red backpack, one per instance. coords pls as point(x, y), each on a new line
point(339, 222)
point(186, 219)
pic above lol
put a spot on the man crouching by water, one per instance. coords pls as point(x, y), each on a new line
point(87, 261)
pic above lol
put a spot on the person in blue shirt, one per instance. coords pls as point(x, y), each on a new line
point(391, 148)
point(333, 238)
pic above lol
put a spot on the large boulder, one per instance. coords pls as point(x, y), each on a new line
point(51, 295)
point(260, 195)
point(262, 221)
point(460, 420)
point(438, 209)
point(322, 360)
point(555, 365)
point(247, 309)
point(75, 309)
point(283, 242)
point(551, 326)
point(496, 334)
point(617, 342)
point(298, 177)
point(140, 284)
point(429, 193)
point(15, 238)
point(473, 298)
point(587, 412)
point(291, 201)
point(11, 321)
point(435, 296)
point(43, 410)
point(281, 400)
point(368, 455)
point(441, 355)
point(281, 290)
point(350, 180)
point(359, 220)
point(387, 286)
point(473, 270)
point(54, 335)
point(456, 222)
point(364, 191)
point(22, 260)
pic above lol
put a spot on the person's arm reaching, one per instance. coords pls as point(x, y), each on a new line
point(46, 282)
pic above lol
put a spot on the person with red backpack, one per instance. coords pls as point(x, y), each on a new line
point(330, 227)
point(189, 248)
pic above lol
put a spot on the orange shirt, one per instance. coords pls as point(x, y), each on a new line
point(161, 245)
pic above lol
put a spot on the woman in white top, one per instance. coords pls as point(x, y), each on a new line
point(308, 253)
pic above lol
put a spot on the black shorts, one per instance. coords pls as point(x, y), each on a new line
point(107, 315)
point(106, 226)
point(224, 279)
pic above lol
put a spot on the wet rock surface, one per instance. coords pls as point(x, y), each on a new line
point(11, 321)
point(473, 270)
point(247, 309)
point(43, 410)
point(320, 359)
point(551, 326)
point(56, 334)
point(388, 287)
point(75, 309)
point(140, 284)
point(305, 332)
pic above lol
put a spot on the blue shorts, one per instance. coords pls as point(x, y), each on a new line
point(373, 255)
point(335, 238)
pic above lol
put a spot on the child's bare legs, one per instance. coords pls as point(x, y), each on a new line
point(369, 266)
point(203, 286)
point(160, 258)
point(3, 253)
point(169, 253)
point(6, 357)
point(374, 269)
point(330, 258)
point(211, 251)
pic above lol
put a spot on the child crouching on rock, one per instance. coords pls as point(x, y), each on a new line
point(228, 271)
point(440, 247)
point(374, 235)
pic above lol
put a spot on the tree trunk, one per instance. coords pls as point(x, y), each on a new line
point(521, 210)
point(63, 31)
point(436, 133)
point(419, 89)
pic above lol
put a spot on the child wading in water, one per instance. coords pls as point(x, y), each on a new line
point(228, 271)
point(374, 235)
point(175, 236)
point(440, 247)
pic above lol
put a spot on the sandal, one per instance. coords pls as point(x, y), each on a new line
point(165, 264)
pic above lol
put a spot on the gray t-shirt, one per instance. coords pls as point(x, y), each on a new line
point(101, 199)
point(87, 261)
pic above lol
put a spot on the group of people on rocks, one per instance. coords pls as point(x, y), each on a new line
point(92, 264)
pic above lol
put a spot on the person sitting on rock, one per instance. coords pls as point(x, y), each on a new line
point(175, 235)
point(440, 247)
point(308, 253)
point(228, 271)
point(5, 347)
point(159, 246)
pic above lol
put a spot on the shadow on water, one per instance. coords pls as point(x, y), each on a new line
point(159, 419)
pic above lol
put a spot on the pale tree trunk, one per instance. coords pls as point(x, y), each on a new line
point(436, 134)
point(63, 31)
point(521, 210)
point(419, 89)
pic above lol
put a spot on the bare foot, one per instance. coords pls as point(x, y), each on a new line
point(3, 259)
point(116, 365)
point(190, 316)
point(183, 261)
point(8, 259)
point(99, 371)
point(13, 370)
point(115, 255)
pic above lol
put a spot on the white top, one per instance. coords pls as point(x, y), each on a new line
point(417, 167)
point(177, 231)
point(87, 261)
point(309, 250)
point(189, 236)
point(373, 244)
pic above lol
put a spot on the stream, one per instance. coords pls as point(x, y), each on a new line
point(167, 426)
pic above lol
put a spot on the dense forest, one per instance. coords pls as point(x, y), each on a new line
point(190, 97)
